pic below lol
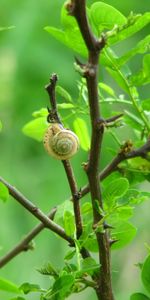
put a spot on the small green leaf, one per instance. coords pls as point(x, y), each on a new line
point(133, 120)
point(65, 106)
point(4, 193)
point(18, 298)
point(140, 48)
point(105, 16)
point(8, 286)
point(62, 287)
point(89, 266)
point(82, 132)
point(106, 88)
point(145, 275)
point(69, 224)
point(27, 288)
point(36, 128)
point(139, 296)
point(43, 112)
point(114, 190)
point(63, 210)
point(70, 254)
point(133, 25)
point(123, 232)
point(143, 76)
point(49, 270)
point(123, 212)
point(146, 104)
point(63, 93)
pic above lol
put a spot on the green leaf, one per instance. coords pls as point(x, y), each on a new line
point(123, 231)
point(4, 193)
point(146, 104)
point(27, 288)
point(62, 288)
point(65, 106)
point(69, 224)
point(36, 128)
point(63, 93)
point(105, 16)
point(8, 286)
point(65, 214)
point(106, 88)
point(18, 298)
point(82, 132)
point(49, 270)
point(114, 190)
point(139, 296)
point(143, 76)
point(70, 254)
point(43, 112)
point(89, 266)
point(140, 48)
point(123, 212)
point(145, 275)
point(132, 120)
point(133, 25)
point(1, 125)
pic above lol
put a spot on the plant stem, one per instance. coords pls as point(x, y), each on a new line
point(77, 9)
point(53, 116)
point(37, 212)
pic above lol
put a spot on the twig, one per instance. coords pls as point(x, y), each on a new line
point(25, 245)
point(37, 212)
point(66, 163)
point(120, 157)
point(77, 9)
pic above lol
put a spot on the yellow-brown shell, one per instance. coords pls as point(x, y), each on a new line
point(60, 143)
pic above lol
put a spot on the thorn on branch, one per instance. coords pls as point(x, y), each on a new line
point(111, 242)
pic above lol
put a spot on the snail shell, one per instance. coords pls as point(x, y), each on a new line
point(60, 143)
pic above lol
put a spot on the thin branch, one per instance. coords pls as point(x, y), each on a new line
point(66, 163)
point(25, 245)
point(120, 157)
point(37, 212)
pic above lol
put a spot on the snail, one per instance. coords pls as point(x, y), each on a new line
point(60, 143)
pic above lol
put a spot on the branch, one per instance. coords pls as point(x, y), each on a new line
point(37, 212)
point(77, 8)
point(25, 245)
point(120, 157)
point(53, 113)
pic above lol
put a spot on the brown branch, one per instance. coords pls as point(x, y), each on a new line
point(37, 212)
point(53, 113)
point(77, 8)
point(120, 157)
point(25, 245)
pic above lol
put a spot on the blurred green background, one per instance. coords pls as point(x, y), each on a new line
point(28, 55)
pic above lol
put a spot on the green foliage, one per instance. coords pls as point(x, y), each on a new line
point(145, 274)
point(114, 190)
point(8, 286)
point(4, 193)
point(105, 16)
point(36, 128)
point(27, 288)
point(139, 296)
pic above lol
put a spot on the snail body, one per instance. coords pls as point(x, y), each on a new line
point(60, 143)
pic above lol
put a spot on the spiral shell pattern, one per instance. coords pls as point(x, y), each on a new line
point(60, 143)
